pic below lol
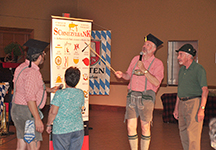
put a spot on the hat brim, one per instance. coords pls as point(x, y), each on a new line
point(185, 52)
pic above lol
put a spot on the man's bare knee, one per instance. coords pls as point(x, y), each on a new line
point(132, 126)
point(145, 128)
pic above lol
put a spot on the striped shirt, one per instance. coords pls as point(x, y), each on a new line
point(29, 85)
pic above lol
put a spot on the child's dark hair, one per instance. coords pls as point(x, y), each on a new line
point(72, 76)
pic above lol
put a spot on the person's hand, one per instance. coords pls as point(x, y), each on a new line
point(54, 89)
point(118, 74)
point(200, 115)
point(176, 114)
point(39, 125)
point(141, 66)
point(49, 129)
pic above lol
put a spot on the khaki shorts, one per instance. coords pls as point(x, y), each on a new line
point(19, 115)
point(140, 104)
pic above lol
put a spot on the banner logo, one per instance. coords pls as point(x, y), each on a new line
point(59, 79)
point(65, 61)
point(95, 45)
point(72, 26)
point(85, 77)
point(86, 61)
point(85, 94)
point(58, 46)
point(76, 60)
point(67, 47)
point(58, 60)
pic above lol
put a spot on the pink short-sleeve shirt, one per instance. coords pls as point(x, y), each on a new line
point(137, 83)
point(29, 85)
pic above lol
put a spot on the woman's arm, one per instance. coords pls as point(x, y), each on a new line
point(51, 116)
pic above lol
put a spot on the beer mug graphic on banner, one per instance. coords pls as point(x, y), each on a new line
point(76, 60)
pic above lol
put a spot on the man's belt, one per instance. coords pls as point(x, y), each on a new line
point(187, 98)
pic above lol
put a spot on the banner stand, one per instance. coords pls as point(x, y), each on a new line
point(68, 48)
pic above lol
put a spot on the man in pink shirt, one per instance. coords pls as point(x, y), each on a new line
point(145, 73)
point(29, 94)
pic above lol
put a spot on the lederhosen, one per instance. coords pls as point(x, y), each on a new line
point(21, 113)
point(140, 103)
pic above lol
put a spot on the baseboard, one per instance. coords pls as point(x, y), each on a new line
point(106, 107)
point(100, 107)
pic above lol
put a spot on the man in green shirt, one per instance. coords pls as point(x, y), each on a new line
point(191, 98)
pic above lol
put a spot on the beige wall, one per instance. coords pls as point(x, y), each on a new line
point(129, 21)
point(35, 15)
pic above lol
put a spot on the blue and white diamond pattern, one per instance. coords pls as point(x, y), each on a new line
point(3, 89)
point(100, 84)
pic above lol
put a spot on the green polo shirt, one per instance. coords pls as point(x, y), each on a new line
point(191, 80)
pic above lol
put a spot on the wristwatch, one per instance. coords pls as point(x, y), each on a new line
point(146, 71)
point(202, 107)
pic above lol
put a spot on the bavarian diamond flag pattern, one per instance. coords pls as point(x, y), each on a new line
point(99, 80)
point(3, 89)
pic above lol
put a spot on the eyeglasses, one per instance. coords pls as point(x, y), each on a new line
point(43, 54)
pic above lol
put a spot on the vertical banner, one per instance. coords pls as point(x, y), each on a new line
point(68, 48)
point(99, 82)
point(3, 90)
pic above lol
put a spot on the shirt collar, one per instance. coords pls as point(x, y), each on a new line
point(32, 64)
point(191, 65)
point(150, 59)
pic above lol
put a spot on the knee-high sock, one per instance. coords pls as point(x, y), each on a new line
point(133, 141)
point(145, 142)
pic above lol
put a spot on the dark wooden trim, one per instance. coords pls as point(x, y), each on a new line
point(119, 83)
point(106, 107)
point(126, 83)
point(163, 85)
point(29, 32)
point(15, 30)
point(211, 87)
point(47, 82)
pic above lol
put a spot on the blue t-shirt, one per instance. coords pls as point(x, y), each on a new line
point(69, 117)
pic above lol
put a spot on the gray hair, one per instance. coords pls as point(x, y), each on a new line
point(189, 55)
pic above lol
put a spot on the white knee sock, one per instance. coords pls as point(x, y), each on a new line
point(145, 142)
point(133, 141)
